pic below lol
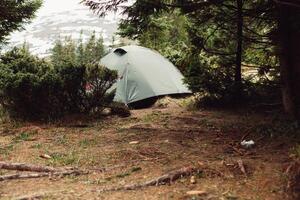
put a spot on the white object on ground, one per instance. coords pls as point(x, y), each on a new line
point(134, 142)
point(247, 144)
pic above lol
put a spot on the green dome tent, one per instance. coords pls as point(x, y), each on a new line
point(143, 73)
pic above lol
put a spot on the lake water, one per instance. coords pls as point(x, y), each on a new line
point(60, 18)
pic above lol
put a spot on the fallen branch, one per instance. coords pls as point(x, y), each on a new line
point(44, 171)
point(26, 167)
point(166, 178)
point(43, 174)
point(31, 197)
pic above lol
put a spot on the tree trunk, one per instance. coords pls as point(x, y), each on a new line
point(289, 55)
point(239, 49)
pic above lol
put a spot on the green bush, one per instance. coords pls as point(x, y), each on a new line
point(27, 85)
point(213, 81)
point(33, 88)
point(99, 80)
point(73, 84)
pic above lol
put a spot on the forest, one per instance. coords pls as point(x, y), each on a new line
point(235, 135)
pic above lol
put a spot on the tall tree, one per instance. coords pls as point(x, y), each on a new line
point(256, 26)
point(14, 14)
point(214, 24)
point(93, 49)
point(77, 52)
point(166, 32)
point(239, 48)
point(289, 37)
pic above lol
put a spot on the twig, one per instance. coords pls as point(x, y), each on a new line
point(44, 171)
point(31, 197)
point(166, 178)
point(43, 174)
point(26, 167)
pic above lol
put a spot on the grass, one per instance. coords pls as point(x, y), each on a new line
point(122, 175)
point(61, 139)
point(62, 159)
point(85, 143)
point(189, 103)
point(151, 117)
point(121, 129)
point(24, 136)
point(97, 181)
point(155, 116)
point(6, 150)
point(136, 169)
point(37, 146)
point(125, 174)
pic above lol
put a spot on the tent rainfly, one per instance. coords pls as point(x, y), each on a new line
point(143, 73)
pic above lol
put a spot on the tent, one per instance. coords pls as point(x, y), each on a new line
point(143, 73)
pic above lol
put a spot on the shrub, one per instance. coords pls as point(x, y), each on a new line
point(73, 84)
point(68, 49)
point(33, 88)
point(99, 80)
point(28, 85)
point(213, 81)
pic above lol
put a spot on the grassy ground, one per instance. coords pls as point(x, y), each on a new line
point(150, 143)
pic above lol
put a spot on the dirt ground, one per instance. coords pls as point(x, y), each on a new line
point(119, 151)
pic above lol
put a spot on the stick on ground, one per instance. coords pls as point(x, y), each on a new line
point(42, 174)
point(26, 167)
point(166, 178)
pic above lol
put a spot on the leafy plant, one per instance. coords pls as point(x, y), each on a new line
point(99, 80)
point(33, 88)
point(75, 52)
point(29, 86)
point(14, 14)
